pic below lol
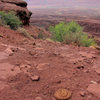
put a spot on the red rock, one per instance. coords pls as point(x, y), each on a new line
point(18, 6)
point(98, 47)
point(35, 78)
point(82, 93)
point(87, 55)
point(97, 70)
point(43, 66)
point(21, 3)
point(94, 89)
point(9, 51)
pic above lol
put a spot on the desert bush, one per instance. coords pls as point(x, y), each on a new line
point(58, 31)
point(71, 33)
point(24, 32)
point(10, 19)
point(85, 41)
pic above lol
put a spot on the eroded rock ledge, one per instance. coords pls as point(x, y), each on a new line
point(19, 6)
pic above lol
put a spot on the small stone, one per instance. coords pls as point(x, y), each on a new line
point(9, 51)
point(32, 53)
point(56, 53)
point(97, 71)
point(35, 78)
point(86, 71)
point(1, 35)
point(11, 54)
point(82, 93)
point(93, 82)
point(98, 47)
point(38, 98)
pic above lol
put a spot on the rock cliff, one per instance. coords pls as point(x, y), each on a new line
point(18, 6)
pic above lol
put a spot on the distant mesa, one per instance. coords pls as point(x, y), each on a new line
point(19, 6)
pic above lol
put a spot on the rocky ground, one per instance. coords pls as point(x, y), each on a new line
point(35, 69)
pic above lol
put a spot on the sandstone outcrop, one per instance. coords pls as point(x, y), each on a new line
point(18, 6)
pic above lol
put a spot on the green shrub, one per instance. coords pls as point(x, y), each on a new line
point(71, 33)
point(85, 41)
point(58, 31)
point(10, 19)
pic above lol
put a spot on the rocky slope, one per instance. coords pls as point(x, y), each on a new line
point(19, 6)
point(35, 69)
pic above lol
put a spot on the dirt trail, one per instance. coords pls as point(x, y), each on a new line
point(36, 69)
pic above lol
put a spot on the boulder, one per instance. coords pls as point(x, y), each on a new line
point(20, 3)
point(18, 6)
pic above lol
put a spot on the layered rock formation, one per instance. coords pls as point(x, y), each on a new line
point(18, 6)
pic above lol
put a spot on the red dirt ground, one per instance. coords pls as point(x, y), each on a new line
point(35, 69)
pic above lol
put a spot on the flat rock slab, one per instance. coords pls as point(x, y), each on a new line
point(43, 66)
point(3, 55)
point(94, 89)
point(6, 70)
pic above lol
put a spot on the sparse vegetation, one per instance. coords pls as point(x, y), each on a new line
point(71, 33)
point(1, 22)
point(41, 35)
point(10, 19)
point(24, 32)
